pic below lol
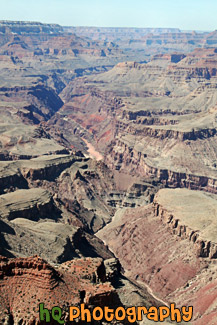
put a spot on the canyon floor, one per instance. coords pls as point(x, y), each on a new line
point(108, 170)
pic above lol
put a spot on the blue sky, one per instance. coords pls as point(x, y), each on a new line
point(185, 14)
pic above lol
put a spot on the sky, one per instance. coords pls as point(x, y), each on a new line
point(185, 14)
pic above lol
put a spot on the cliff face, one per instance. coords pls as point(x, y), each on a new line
point(186, 223)
point(22, 27)
point(41, 102)
point(69, 197)
point(171, 247)
point(23, 109)
point(25, 282)
point(121, 156)
point(147, 118)
point(37, 62)
point(150, 257)
point(148, 39)
point(26, 204)
point(21, 40)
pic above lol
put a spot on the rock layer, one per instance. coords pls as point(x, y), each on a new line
point(190, 215)
point(162, 257)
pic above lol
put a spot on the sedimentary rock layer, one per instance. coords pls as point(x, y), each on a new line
point(172, 256)
point(191, 215)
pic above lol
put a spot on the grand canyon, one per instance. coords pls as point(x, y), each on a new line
point(108, 170)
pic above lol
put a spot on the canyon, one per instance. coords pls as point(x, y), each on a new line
point(108, 175)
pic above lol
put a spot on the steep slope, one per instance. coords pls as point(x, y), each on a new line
point(171, 247)
point(153, 115)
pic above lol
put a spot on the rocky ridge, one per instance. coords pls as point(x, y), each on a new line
point(20, 27)
point(43, 279)
point(129, 123)
point(186, 213)
point(176, 258)
point(38, 221)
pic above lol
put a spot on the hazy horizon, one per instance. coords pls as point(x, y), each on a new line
point(92, 26)
point(185, 15)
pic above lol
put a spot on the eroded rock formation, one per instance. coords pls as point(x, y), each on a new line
point(170, 247)
point(96, 166)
